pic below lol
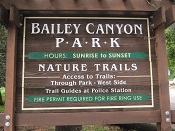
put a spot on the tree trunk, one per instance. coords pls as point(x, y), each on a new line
point(68, 128)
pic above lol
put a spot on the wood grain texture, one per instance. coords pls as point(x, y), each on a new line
point(11, 75)
point(2, 119)
point(159, 17)
point(135, 41)
point(101, 118)
point(134, 5)
point(163, 76)
point(68, 117)
point(14, 15)
point(170, 16)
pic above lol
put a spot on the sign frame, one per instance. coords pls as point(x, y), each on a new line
point(90, 107)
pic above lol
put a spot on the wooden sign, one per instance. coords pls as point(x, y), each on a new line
point(86, 63)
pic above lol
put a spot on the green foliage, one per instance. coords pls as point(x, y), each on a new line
point(3, 37)
point(170, 46)
point(2, 90)
point(93, 128)
point(2, 109)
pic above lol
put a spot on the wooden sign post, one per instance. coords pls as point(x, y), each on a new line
point(91, 68)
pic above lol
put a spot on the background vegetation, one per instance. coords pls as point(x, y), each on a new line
point(3, 39)
point(170, 45)
point(2, 90)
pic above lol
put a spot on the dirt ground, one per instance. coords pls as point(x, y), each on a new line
point(124, 127)
point(31, 129)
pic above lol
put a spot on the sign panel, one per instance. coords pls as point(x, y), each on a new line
point(86, 63)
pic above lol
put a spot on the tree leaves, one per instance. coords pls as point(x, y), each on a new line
point(3, 39)
point(170, 47)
